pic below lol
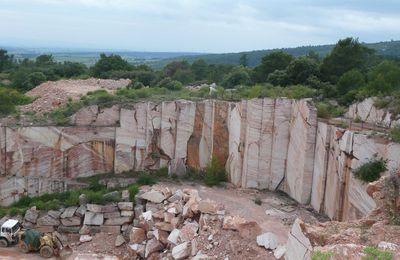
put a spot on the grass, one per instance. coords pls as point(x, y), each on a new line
point(215, 173)
point(374, 253)
point(327, 110)
point(395, 133)
point(371, 170)
point(318, 255)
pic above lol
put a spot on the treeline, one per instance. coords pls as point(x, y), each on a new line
point(351, 71)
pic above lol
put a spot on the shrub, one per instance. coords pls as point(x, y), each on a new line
point(133, 190)
point(374, 253)
point(215, 173)
point(258, 201)
point(318, 255)
point(371, 170)
point(95, 197)
point(395, 133)
point(145, 179)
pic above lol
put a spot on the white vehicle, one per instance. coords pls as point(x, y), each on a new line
point(9, 232)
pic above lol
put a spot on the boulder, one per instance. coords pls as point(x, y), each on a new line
point(161, 236)
point(125, 206)
point(147, 216)
point(85, 230)
point(116, 214)
point(154, 207)
point(267, 240)
point(85, 238)
point(48, 221)
point(232, 222)
point(177, 196)
point(110, 229)
point(137, 235)
point(69, 212)
point(117, 221)
point(125, 195)
point(102, 208)
point(188, 232)
point(164, 226)
point(181, 251)
point(139, 209)
point(127, 213)
point(32, 215)
point(93, 219)
point(54, 213)
point(74, 221)
point(119, 241)
point(208, 206)
point(153, 245)
point(94, 208)
point(153, 196)
point(249, 229)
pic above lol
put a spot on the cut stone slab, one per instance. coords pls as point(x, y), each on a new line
point(116, 214)
point(93, 219)
point(32, 215)
point(48, 221)
point(102, 208)
point(127, 213)
point(153, 196)
point(69, 212)
point(74, 221)
point(268, 240)
point(117, 221)
point(54, 213)
point(125, 206)
point(208, 206)
point(181, 251)
point(80, 212)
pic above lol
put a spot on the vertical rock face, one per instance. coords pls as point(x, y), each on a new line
point(300, 158)
point(262, 143)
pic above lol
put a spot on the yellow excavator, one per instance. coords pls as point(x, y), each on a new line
point(48, 245)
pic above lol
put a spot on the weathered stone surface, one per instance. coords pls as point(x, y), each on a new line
point(125, 206)
point(298, 245)
point(267, 240)
point(95, 219)
point(48, 221)
point(137, 235)
point(208, 206)
point(69, 212)
point(173, 236)
point(119, 241)
point(152, 246)
point(153, 196)
point(32, 215)
point(80, 211)
point(117, 221)
point(188, 232)
point(73, 221)
point(181, 251)
point(249, 229)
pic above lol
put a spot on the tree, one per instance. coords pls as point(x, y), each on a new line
point(350, 80)
point(5, 60)
point(300, 69)
point(171, 68)
point(36, 78)
point(45, 60)
point(199, 69)
point(384, 78)
point(243, 60)
point(109, 63)
point(238, 76)
point(347, 54)
point(184, 75)
point(278, 78)
point(271, 62)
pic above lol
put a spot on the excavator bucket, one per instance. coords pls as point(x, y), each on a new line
point(63, 249)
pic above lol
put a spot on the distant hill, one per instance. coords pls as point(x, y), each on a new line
point(388, 48)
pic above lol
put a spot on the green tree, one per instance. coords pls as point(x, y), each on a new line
point(278, 78)
point(184, 75)
point(238, 76)
point(5, 60)
point(271, 62)
point(199, 69)
point(350, 80)
point(244, 60)
point(109, 63)
point(171, 68)
point(348, 54)
point(384, 78)
point(45, 60)
point(300, 69)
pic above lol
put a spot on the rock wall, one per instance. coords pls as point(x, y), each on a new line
point(262, 143)
point(367, 112)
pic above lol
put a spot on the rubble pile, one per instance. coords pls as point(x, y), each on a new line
point(53, 94)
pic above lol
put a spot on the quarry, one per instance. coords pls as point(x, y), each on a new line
point(275, 152)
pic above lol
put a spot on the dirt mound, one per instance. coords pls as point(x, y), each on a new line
point(53, 94)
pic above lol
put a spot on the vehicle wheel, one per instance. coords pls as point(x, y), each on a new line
point(23, 247)
point(46, 251)
point(3, 242)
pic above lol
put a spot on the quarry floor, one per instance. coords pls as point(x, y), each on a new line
point(276, 214)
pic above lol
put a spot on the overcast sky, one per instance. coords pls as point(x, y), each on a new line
point(194, 25)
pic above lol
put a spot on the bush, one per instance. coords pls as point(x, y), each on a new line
point(374, 253)
point(395, 133)
point(133, 190)
point(145, 179)
point(215, 173)
point(327, 111)
point(318, 255)
point(370, 171)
